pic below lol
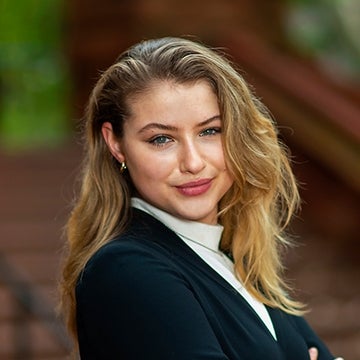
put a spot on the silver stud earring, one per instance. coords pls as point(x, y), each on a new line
point(123, 167)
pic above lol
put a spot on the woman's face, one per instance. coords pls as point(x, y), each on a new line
point(173, 149)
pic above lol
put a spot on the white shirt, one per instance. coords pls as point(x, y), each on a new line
point(204, 239)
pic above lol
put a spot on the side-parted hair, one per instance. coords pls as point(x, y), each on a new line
point(254, 212)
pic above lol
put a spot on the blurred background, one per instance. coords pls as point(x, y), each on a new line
point(303, 59)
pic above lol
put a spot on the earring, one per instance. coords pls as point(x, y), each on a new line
point(123, 167)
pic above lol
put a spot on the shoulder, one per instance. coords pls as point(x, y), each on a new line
point(138, 240)
point(147, 257)
point(141, 253)
point(125, 254)
point(125, 271)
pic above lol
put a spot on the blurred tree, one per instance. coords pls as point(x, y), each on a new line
point(328, 30)
point(33, 76)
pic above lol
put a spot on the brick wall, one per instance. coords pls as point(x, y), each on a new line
point(98, 31)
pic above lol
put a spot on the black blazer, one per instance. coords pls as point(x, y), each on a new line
point(147, 295)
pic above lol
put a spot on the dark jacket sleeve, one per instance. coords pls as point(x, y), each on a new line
point(131, 304)
point(311, 338)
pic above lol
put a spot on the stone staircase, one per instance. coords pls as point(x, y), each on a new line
point(35, 192)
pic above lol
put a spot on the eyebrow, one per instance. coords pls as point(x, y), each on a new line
point(165, 127)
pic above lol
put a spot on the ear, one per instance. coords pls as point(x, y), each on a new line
point(112, 142)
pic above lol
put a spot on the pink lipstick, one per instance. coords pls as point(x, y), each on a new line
point(194, 188)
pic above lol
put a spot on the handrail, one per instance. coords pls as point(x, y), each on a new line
point(33, 303)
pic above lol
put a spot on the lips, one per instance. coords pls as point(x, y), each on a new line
point(195, 188)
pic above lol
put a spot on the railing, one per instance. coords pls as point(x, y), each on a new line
point(32, 304)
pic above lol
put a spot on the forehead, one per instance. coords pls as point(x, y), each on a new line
point(170, 96)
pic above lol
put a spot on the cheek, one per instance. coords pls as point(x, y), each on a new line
point(149, 168)
point(229, 180)
point(221, 165)
point(218, 159)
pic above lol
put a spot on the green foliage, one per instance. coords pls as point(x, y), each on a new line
point(33, 84)
point(327, 30)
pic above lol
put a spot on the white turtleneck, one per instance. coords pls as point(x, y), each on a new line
point(204, 240)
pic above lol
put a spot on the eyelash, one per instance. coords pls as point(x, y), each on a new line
point(213, 131)
point(165, 139)
point(155, 141)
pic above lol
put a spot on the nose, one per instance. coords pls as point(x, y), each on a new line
point(191, 159)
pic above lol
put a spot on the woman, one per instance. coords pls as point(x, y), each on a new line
point(174, 241)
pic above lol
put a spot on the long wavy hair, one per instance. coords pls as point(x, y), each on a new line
point(254, 212)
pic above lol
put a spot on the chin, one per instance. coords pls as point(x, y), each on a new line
point(204, 218)
point(198, 212)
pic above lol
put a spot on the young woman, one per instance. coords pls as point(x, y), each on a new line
point(174, 241)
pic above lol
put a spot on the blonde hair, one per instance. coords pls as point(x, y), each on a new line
point(255, 210)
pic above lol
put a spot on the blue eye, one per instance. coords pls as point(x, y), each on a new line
point(160, 140)
point(210, 131)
